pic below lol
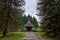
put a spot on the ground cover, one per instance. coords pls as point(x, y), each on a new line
point(13, 36)
point(44, 36)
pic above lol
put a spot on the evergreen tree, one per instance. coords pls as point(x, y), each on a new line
point(10, 14)
point(34, 22)
point(31, 19)
point(50, 12)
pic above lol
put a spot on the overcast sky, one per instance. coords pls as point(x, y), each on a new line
point(30, 7)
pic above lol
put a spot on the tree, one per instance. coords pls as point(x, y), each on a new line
point(49, 11)
point(7, 12)
point(34, 22)
point(30, 18)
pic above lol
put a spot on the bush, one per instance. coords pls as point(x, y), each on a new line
point(23, 30)
point(36, 29)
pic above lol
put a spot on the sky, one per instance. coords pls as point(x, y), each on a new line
point(30, 8)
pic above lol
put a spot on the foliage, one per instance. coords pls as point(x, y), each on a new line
point(49, 10)
point(44, 36)
point(10, 15)
point(13, 36)
point(35, 29)
point(34, 22)
point(30, 18)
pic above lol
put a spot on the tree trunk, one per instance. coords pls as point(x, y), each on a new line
point(5, 32)
point(6, 25)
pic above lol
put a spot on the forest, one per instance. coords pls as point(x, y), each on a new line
point(12, 19)
point(50, 14)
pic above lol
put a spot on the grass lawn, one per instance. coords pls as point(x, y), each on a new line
point(44, 36)
point(13, 36)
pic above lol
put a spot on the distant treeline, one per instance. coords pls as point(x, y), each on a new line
point(33, 20)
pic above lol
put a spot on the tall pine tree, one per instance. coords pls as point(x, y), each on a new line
point(10, 13)
point(50, 13)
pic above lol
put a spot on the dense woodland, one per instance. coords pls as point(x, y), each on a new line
point(12, 18)
point(49, 11)
point(10, 15)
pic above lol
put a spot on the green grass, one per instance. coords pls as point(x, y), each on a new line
point(13, 36)
point(35, 29)
point(44, 36)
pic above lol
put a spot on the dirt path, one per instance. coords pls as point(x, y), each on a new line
point(32, 36)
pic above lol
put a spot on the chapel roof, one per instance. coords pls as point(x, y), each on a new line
point(29, 24)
